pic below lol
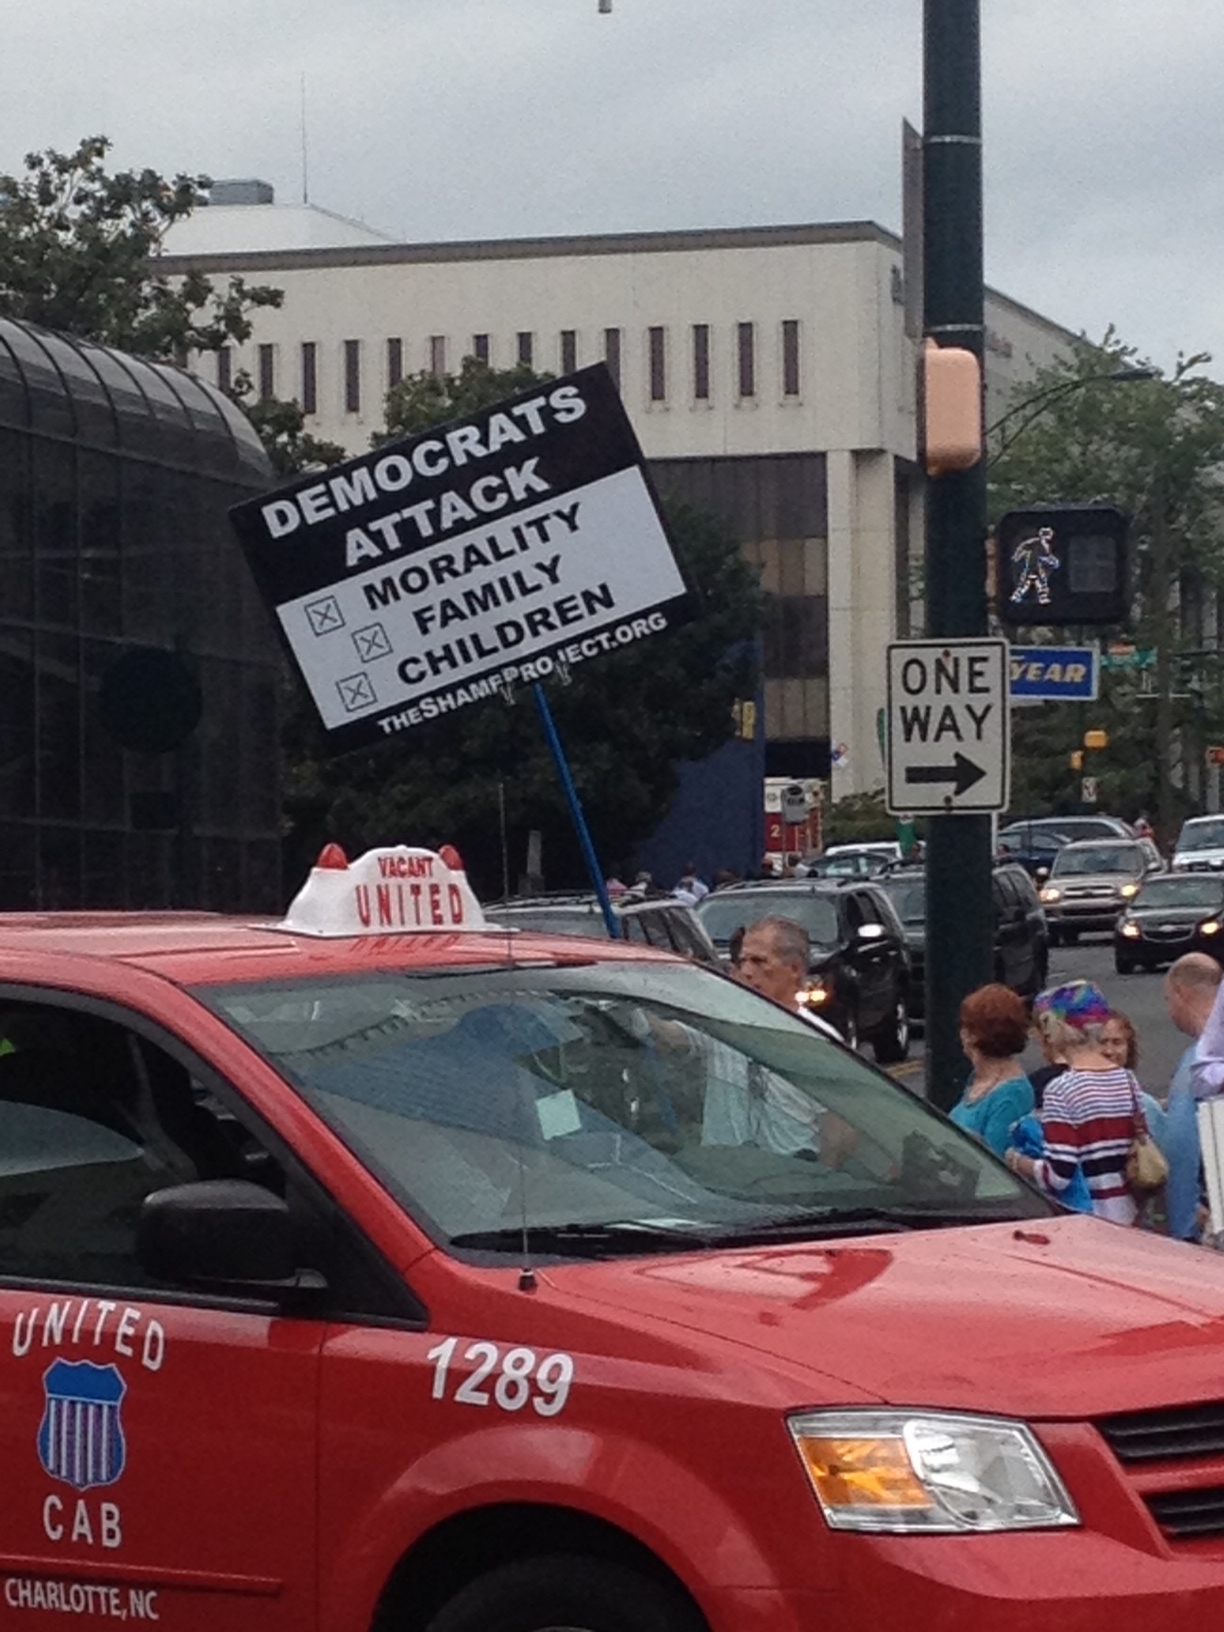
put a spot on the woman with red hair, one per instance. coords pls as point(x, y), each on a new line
point(994, 1029)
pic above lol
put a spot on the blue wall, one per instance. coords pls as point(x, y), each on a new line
point(716, 818)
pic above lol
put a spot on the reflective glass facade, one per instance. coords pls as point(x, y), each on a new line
point(115, 478)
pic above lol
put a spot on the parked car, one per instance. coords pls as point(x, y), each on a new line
point(859, 975)
point(1096, 826)
point(1173, 913)
point(1032, 848)
point(1200, 845)
point(889, 849)
point(659, 921)
point(1091, 881)
point(1021, 934)
point(849, 862)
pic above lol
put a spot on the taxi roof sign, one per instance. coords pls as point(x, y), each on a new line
point(394, 891)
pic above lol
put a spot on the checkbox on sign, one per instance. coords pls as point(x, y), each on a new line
point(371, 642)
point(356, 693)
point(325, 616)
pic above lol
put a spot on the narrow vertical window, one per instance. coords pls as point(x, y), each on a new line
point(480, 347)
point(569, 350)
point(267, 373)
point(310, 377)
point(612, 354)
point(395, 362)
point(701, 362)
point(352, 376)
point(526, 348)
point(437, 354)
point(658, 365)
point(225, 369)
point(746, 342)
point(790, 357)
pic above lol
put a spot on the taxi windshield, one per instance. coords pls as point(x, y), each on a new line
point(612, 1107)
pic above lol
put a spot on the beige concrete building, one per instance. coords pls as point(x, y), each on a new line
point(767, 371)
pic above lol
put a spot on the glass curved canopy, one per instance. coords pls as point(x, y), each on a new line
point(99, 397)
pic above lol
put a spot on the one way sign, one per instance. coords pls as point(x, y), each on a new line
point(948, 734)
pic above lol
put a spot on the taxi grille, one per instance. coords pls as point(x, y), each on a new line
point(1184, 1513)
point(1160, 1436)
point(1174, 1437)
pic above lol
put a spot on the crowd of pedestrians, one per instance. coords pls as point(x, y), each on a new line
point(1082, 1127)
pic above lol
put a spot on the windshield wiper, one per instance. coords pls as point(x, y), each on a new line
point(586, 1240)
point(627, 1236)
point(873, 1219)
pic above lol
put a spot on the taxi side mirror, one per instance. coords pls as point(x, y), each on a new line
point(1042, 874)
point(218, 1232)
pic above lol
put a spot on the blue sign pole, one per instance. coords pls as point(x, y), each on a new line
point(576, 812)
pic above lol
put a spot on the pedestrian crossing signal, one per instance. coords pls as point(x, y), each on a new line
point(1062, 564)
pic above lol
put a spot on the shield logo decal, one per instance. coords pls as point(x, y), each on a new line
point(80, 1438)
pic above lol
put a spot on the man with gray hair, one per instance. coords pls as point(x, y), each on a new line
point(774, 958)
point(1192, 987)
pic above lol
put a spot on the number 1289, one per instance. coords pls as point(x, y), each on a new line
point(518, 1375)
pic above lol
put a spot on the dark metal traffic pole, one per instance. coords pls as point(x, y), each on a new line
point(959, 953)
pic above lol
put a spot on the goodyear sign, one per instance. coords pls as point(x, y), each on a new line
point(1044, 674)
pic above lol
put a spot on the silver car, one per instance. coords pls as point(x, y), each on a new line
point(1091, 881)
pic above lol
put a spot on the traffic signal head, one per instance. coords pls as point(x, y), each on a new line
point(951, 418)
point(1062, 563)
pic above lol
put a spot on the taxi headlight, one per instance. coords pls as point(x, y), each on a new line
point(1211, 927)
point(1051, 894)
point(814, 994)
point(932, 1471)
point(1131, 931)
point(1128, 890)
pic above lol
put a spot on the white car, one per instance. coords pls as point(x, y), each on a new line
point(1200, 845)
point(888, 848)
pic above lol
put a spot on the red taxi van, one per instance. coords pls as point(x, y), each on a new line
point(378, 1269)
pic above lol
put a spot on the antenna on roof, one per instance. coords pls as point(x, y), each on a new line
point(605, 6)
point(305, 172)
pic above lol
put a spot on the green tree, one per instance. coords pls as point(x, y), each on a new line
point(1154, 447)
point(282, 430)
point(78, 252)
point(625, 719)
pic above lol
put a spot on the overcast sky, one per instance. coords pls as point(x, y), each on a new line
point(430, 119)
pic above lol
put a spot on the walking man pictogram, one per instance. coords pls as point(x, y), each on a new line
point(1034, 560)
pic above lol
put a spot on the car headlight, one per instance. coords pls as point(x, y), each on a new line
point(1211, 927)
point(930, 1471)
point(1126, 891)
point(1051, 894)
point(1131, 931)
point(814, 994)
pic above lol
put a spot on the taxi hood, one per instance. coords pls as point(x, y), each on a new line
point(1065, 1317)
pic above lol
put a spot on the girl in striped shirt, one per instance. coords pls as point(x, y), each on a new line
point(1088, 1113)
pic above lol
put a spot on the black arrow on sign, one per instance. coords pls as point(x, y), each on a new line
point(962, 773)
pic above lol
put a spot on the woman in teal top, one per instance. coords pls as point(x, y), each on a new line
point(994, 1030)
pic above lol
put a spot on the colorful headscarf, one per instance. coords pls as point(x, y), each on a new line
point(1079, 1003)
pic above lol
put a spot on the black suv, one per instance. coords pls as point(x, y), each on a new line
point(657, 921)
point(1021, 936)
point(859, 975)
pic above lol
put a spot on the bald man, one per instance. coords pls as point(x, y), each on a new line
point(1192, 990)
